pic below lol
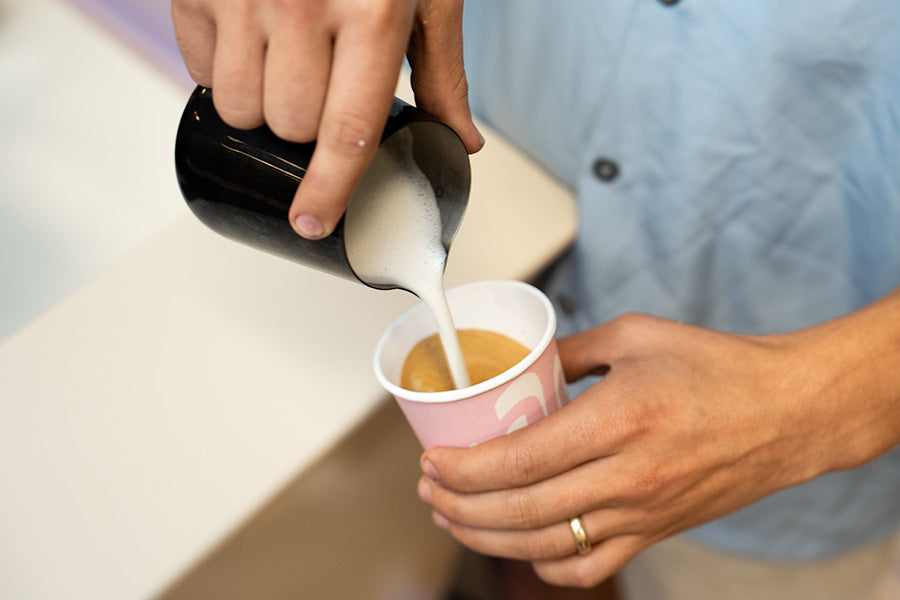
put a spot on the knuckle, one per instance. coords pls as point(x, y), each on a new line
point(319, 188)
point(535, 549)
point(241, 118)
point(621, 424)
point(293, 110)
point(523, 509)
point(286, 7)
point(627, 324)
point(291, 128)
point(234, 11)
point(545, 574)
point(452, 83)
point(291, 14)
point(350, 134)
point(439, 100)
point(579, 573)
point(460, 89)
point(584, 575)
point(239, 112)
point(643, 483)
point(520, 465)
point(547, 547)
point(638, 331)
point(378, 14)
point(457, 84)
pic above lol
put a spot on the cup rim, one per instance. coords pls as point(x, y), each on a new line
point(401, 393)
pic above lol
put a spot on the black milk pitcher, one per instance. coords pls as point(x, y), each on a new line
point(241, 183)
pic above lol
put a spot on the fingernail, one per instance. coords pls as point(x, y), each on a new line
point(440, 520)
point(425, 492)
point(309, 227)
point(430, 470)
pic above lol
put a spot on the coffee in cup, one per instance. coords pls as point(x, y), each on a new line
point(486, 353)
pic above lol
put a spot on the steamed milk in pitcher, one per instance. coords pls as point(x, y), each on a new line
point(393, 237)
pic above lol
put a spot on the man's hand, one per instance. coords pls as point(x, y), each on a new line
point(687, 425)
point(326, 71)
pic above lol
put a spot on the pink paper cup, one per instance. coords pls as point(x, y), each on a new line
point(525, 393)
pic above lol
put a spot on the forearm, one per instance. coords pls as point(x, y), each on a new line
point(849, 372)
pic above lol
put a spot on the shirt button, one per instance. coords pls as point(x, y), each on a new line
point(566, 305)
point(668, 2)
point(605, 169)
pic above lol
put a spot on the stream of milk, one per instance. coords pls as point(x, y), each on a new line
point(393, 237)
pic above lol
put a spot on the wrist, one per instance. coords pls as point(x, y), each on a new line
point(846, 387)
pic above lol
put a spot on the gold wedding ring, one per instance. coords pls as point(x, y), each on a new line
point(582, 543)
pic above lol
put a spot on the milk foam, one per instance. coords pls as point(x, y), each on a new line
point(393, 237)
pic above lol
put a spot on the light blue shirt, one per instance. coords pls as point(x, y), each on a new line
point(737, 164)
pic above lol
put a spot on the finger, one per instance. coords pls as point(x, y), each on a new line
point(595, 350)
point(353, 119)
point(238, 68)
point(585, 353)
point(298, 60)
point(568, 437)
point(195, 34)
point(552, 542)
point(438, 76)
point(593, 485)
point(588, 570)
point(536, 544)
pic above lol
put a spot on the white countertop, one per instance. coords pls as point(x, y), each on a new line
point(166, 381)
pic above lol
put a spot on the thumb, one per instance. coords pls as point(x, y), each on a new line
point(438, 77)
point(586, 353)
point(594, 351)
